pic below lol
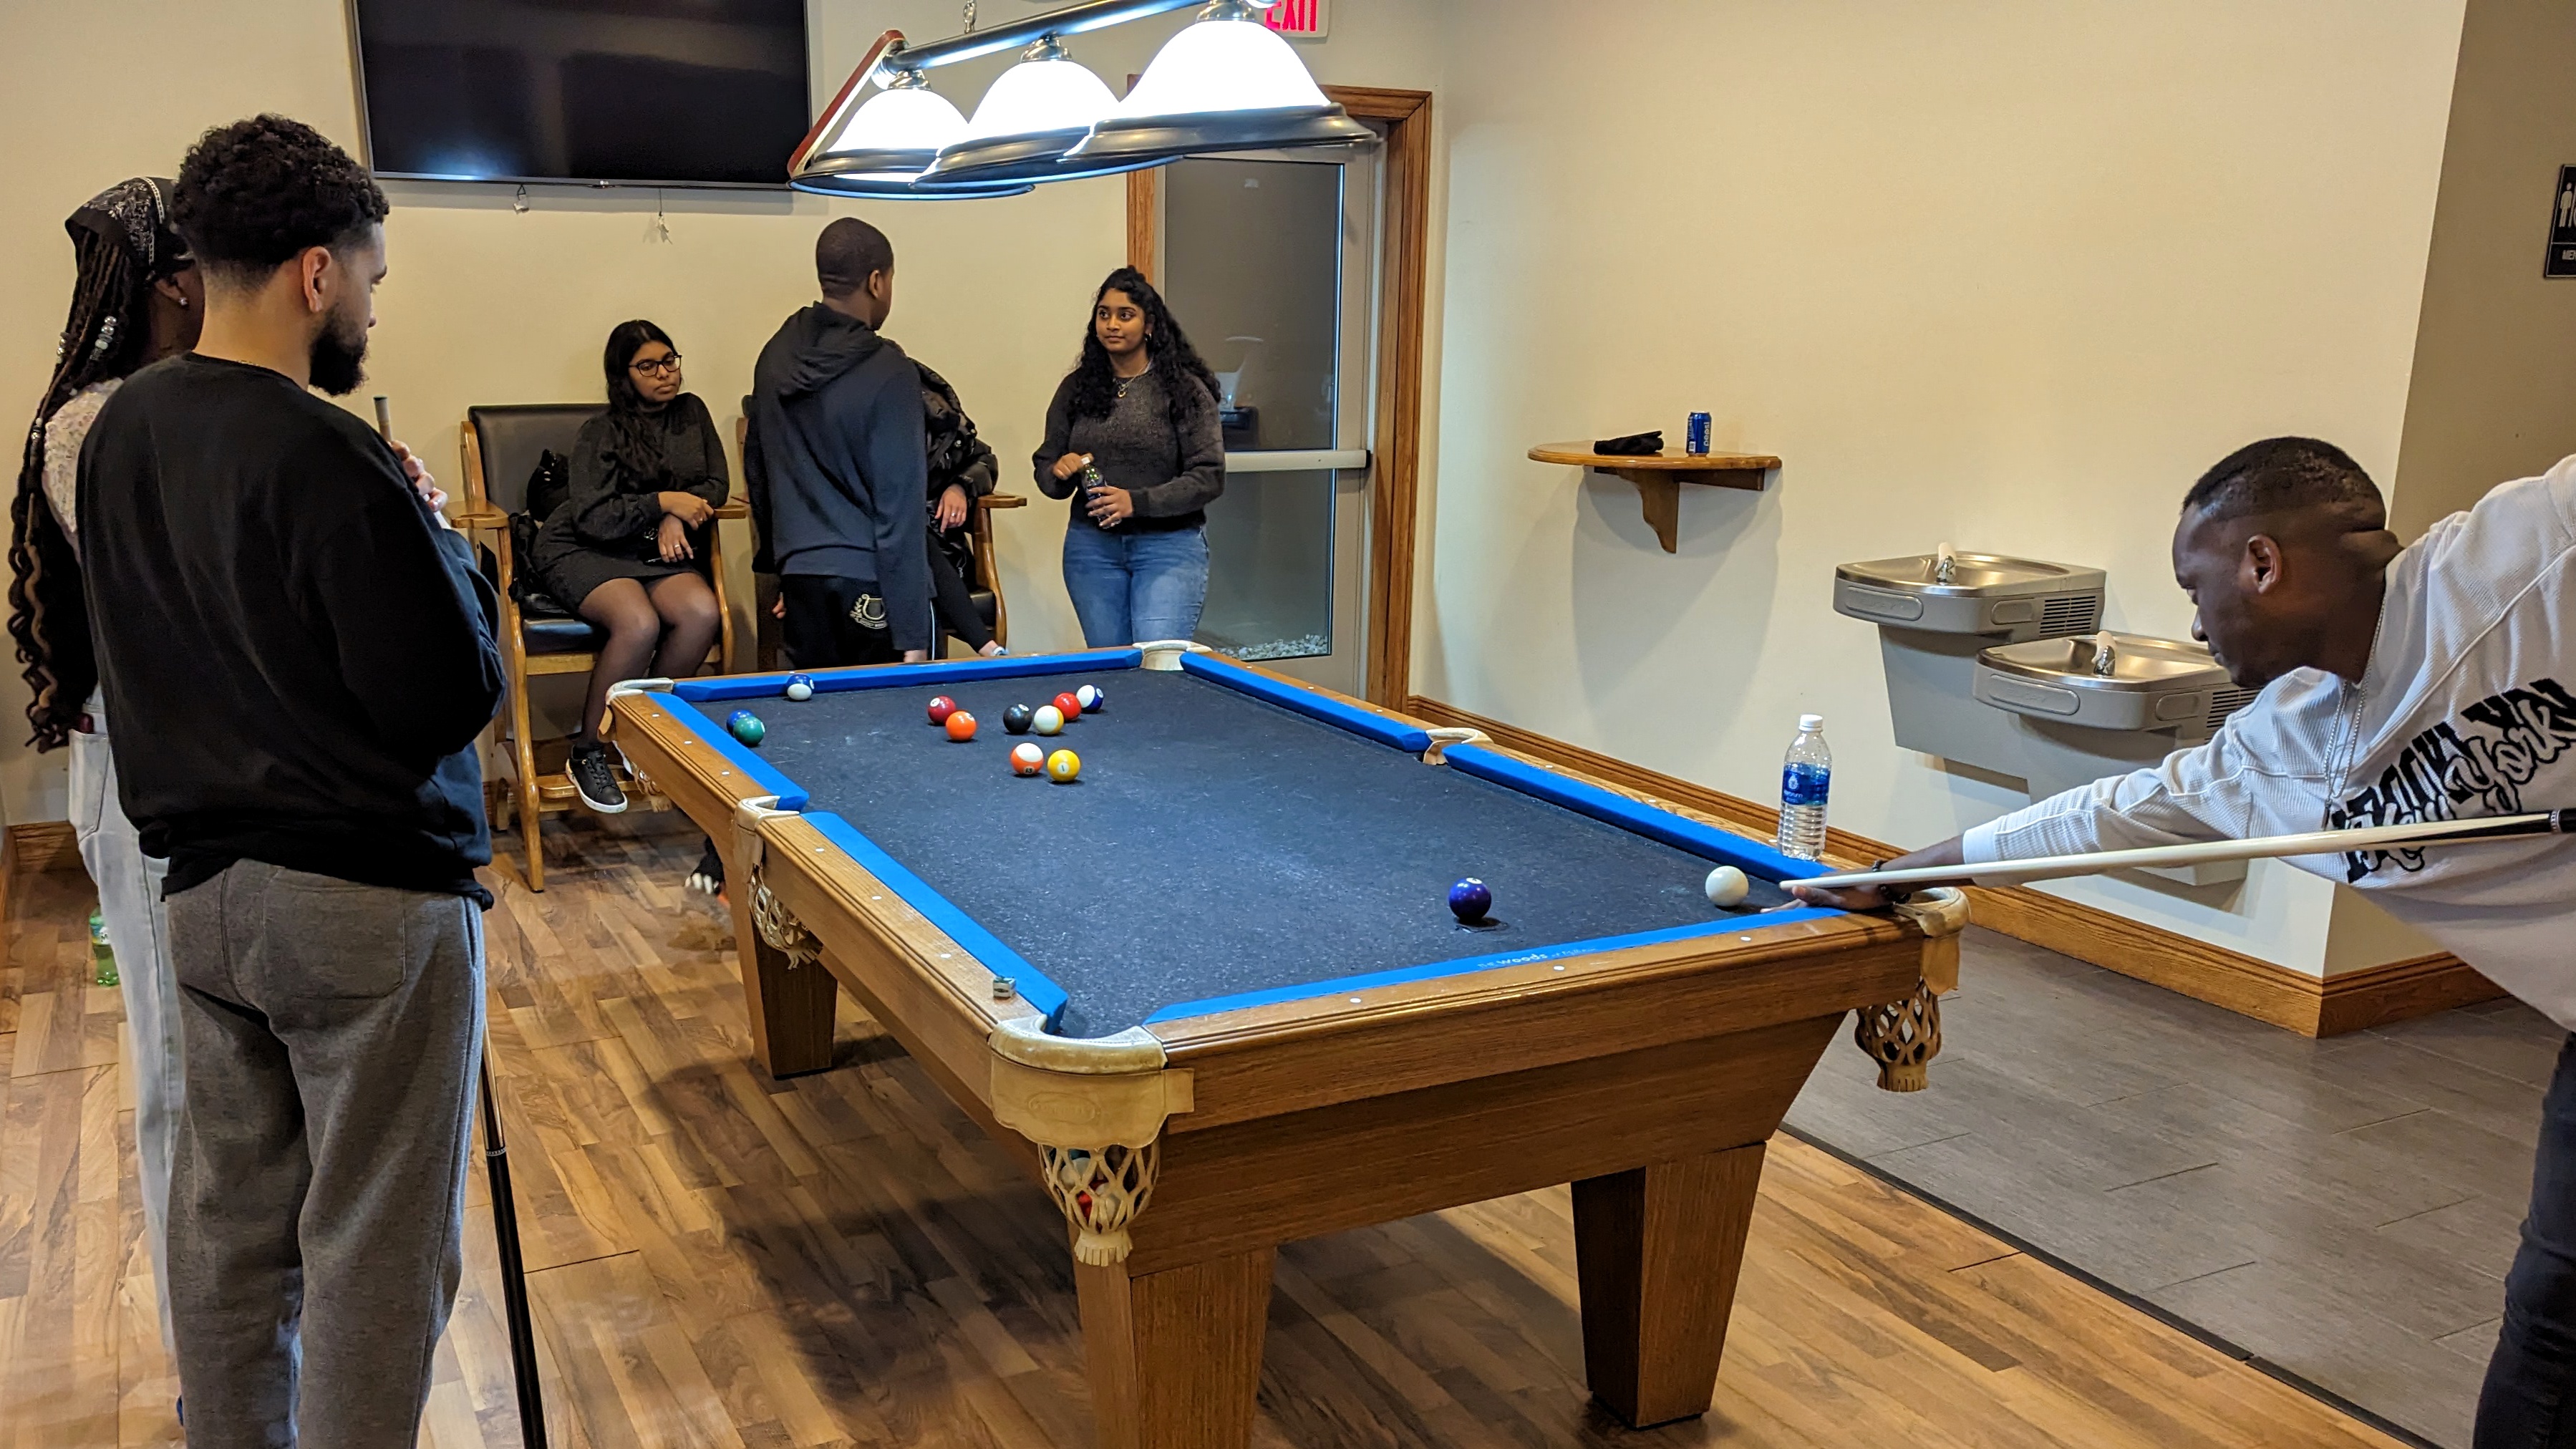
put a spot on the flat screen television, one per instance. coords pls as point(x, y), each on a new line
point(649, 92)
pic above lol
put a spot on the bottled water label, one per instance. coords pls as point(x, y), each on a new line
point(1804, 784)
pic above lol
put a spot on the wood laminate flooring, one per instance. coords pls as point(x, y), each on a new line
point(2345, 1208)
point(717, 1259)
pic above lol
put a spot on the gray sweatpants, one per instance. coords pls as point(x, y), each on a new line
point(318, 1188)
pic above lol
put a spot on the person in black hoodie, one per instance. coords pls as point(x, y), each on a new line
point(298, 654)
point(837, 441)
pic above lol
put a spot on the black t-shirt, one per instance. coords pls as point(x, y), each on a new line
point(296, 657)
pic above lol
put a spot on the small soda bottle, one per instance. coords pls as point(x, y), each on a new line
point(1806, 777)
point(100, 955)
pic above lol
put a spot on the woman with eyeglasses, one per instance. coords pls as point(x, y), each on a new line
point(627, 548)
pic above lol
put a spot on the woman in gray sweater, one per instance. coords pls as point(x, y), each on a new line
point(1139, 412)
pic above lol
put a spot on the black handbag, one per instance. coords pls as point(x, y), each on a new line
point(549, 485)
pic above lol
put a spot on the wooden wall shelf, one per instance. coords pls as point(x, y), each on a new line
point(1659, 477)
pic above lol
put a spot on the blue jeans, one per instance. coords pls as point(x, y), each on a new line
point(2529, 1401)
point(1129, 587)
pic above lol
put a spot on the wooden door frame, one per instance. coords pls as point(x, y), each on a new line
point(1396, 421)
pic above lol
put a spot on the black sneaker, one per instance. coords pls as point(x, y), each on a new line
point(594, 778)
point(708, 878)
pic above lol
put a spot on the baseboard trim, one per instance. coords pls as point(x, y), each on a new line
point(44, 845)
point(2293, 1000)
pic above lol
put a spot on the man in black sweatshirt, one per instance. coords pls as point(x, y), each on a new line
point(298, 655)
point(838, 465)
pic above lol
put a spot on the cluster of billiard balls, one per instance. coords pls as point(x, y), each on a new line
point(1063, 766)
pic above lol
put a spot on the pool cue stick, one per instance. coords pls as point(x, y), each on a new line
point(2314, 842)
point(514, 1275)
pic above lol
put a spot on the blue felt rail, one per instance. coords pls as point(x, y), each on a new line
point(905, 676)
point(1740, 925)
point(1705, 841)
point(1369, 724)
point(791, 796)
point(1034, 986)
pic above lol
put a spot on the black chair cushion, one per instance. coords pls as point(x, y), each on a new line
point(554, 635)
point(984, 605)
point(513, 438)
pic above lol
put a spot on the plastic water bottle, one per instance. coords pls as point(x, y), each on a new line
point(102, 957)
point(1806, 777)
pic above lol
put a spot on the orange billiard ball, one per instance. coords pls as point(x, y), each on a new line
point(1028, 760)
point(960, 725)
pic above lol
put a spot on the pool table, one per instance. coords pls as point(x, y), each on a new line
point(1214, 989)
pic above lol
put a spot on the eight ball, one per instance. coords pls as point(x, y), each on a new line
point(1016, 718)
point(745, 726)
point(1469, 900)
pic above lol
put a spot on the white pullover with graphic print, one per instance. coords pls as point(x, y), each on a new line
point(2467, 709)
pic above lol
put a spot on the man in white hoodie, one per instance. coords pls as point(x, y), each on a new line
point(2431, 682)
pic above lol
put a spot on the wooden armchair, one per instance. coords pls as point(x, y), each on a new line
point(985, 582)
point(501, 447)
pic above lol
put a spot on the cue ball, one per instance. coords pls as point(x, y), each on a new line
point(1726, 886)
point(800, 687)
point(1048, 720)
point(1090, 698)
point(1016, 718)
point(1068, 706)
point(961, 725)
point(745, 726)
point(1469, 900)
point(1027, 760)
point(1064, 767)
point(941, 707)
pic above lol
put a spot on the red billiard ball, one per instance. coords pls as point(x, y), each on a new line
point(1068, 706)
point(941, 707)
point(961, 725)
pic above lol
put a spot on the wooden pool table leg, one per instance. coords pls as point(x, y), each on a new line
point(791, 1007)
point(1656, 1252)
point(1175, 1356)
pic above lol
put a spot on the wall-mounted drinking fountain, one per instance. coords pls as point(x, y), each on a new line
point(2085, 708)
point(1935, 612)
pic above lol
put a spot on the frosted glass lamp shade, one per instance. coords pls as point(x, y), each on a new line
point(1227, 83)
point(1025, 123)
point(898, 129)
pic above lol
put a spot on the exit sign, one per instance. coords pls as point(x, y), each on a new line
point(1300, 19)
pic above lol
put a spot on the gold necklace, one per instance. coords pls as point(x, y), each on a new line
point(1125, 383)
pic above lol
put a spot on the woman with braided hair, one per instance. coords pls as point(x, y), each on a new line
point(135, 300)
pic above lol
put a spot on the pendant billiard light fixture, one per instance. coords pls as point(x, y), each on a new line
point(1226, 82)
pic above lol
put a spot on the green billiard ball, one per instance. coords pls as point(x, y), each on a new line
point(745, 726)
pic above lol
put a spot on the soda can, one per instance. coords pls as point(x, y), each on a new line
point(1696, 439)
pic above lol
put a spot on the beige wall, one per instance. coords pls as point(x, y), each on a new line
point(2494, 393)
point(486, 304)
point(2008, 275)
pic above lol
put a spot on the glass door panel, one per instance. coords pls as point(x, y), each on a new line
point(1268, 263)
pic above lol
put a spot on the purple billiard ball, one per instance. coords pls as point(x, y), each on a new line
point(1469, 900)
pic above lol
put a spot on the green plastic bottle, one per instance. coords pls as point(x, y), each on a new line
point(100, 954)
